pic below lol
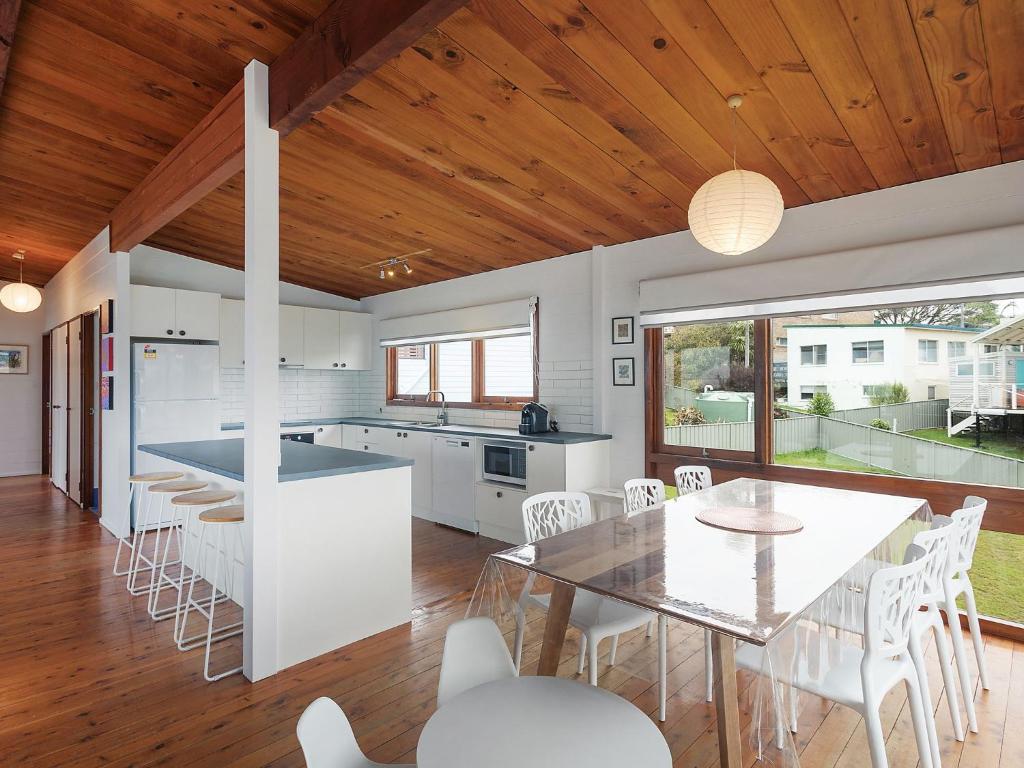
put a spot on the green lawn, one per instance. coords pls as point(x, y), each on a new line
point(990, 442)
point(819, 458)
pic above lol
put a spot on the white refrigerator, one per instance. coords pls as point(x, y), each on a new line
point(175, 396)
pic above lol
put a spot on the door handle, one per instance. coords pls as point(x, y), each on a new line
point(56, 407)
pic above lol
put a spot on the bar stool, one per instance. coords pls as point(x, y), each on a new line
point(137, 485)
point(217, 519)
point(181, 513)
point(152, 517)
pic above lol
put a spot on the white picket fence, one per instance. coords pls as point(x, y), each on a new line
point(903, 454)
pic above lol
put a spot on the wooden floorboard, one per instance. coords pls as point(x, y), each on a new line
point(89, 680)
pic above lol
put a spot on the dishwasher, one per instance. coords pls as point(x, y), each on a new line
point(453, 462)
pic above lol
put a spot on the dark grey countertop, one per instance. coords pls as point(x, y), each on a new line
point(299, 461)
point(561, 438)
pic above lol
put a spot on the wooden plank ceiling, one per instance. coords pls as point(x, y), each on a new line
point(517, 130)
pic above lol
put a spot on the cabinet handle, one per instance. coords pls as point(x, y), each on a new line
point(366, 431)
point(498, 494)
point(335, 365)
point(181, 333)
point(398, 434)
point(344, 364)
point(532, 447)
point(405, 434)
point(320, 429)
point(282, 359)
point(170, 332)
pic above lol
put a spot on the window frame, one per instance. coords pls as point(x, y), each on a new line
point(959, 345)
point(480, 400)
point(867, 349)
point(922, 344)
point(813, 348)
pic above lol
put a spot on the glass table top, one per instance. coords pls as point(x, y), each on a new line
point(749, 586)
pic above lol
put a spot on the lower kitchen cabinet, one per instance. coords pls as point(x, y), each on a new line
point(328, 434)
point(499, 510)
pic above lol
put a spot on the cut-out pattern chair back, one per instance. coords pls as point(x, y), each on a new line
point(690, 479)
point(968, 521)
point(548, 514)
point(935, 544)
point(893, 597)
point(643, 493)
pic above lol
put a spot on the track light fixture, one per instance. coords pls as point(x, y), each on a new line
point(388, 267)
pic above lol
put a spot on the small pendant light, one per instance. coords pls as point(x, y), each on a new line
point(736, 211)
point(20, 296)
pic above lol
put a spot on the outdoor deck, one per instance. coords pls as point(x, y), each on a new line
point(90, 680)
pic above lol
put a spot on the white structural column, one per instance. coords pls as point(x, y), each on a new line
point(262, 432)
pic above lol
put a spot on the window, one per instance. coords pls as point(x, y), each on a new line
point(814, 354)
point(708, 387)
point(931, 391)
point(990, 349)
point(412, 368)
point(927, 351)
point(508, 368)
point(987, 369)
point(496, 373)
point(965, 369)
point(808, 392)
point(782, 341)
point(869, 351)
point(873, 390)
point(956, 349)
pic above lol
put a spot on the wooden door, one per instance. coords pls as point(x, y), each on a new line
point(89, 412)
point(58, 407)
point(74, 410)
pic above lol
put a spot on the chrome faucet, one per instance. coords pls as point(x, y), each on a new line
point(442, 414)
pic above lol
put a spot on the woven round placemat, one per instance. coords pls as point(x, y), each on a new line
point(746, 520)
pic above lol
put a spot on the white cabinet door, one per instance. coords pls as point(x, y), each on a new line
point(232, 333)
point(417, 446)
point(153, 312)
point(545, 467)
point(197, 315)
point(290, 332)
point(354, 437)
point(500, 512)
point(321, 338)
point(328, 434)
point(356, 352)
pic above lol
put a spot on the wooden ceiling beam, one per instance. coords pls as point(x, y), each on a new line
point(349, 40)
point(8, 23)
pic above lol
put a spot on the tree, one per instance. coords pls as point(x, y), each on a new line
point(974, 314)
point(696, 355)
point(890, 394)
point(821, 404)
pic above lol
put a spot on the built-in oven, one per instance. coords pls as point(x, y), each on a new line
point(298, 437)
point(504, 461)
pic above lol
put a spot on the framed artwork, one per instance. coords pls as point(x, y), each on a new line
point(623, 371)
point(107, 355)
point(107, 316)
point(107, 393)
point(13, 358)
point(622, 330)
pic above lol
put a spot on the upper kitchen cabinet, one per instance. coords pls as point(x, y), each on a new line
point(356, 341)
point(322, 338)
point(174, 313)
point(291, 333)
point(232, 333)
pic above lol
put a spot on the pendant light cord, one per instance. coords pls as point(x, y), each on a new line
point(734, 139)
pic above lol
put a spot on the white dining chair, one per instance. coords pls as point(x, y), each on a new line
point(967, 522)
point(690, 479)
point(643, 493)
point(596, 617)
point(326, 738)
point(859, 678)
point(474, 653)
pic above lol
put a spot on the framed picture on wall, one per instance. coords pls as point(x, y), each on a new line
point(107, 316)
point(13, 358)
point(107, 355)
point(622, 330)
point(623, 371)
point(107, 393)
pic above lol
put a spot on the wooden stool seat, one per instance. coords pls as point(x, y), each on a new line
point(156, 477)
point(178, 486)
point(202, 498)
point(230, 513)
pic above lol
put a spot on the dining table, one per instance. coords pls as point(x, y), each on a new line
point(743, 586)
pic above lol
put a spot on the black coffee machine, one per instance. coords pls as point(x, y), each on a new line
point(534, 419)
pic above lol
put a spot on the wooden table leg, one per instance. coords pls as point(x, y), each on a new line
point(727, 704)
point(554, 629)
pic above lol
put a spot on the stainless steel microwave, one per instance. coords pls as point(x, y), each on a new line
point(505, 462)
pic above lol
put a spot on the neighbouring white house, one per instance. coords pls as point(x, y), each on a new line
point(851, 362)
point(988, 380)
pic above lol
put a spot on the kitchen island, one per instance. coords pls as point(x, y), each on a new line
point(344, 552)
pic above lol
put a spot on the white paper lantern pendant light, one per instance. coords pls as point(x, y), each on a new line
point(736, 211)
point(20, 296)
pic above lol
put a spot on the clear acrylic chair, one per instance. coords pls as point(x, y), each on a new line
point(327, 740)
point(690, 479)
point(596, 617)
point(474, 653)
point(643, 493)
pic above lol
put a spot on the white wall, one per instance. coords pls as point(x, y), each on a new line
point(164, 269)
point(21, 395)
point(93, 275)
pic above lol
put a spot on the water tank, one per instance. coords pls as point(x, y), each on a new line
point(726, 406)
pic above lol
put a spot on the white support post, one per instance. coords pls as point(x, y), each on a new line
point(262, 431)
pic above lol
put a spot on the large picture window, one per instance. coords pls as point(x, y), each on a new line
point(493, 373)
